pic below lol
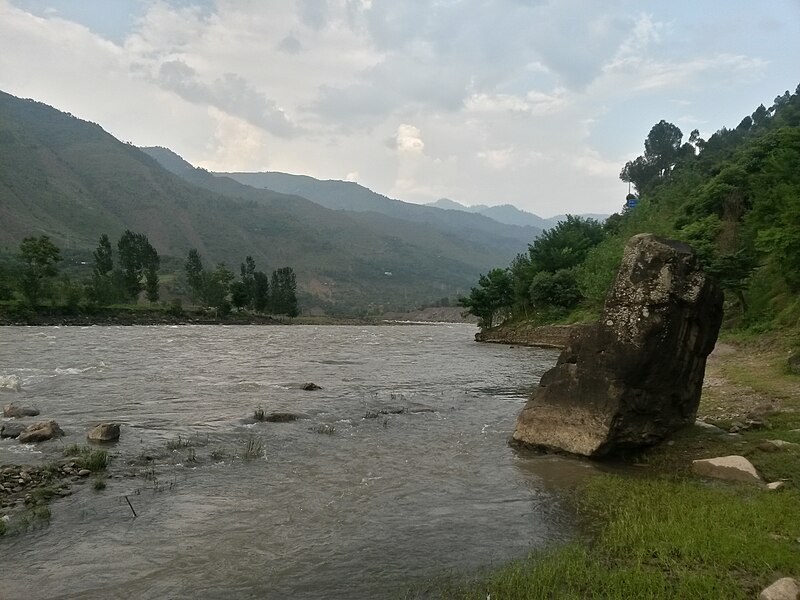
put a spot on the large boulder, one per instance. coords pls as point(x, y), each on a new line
point(636, 376)
point(104, 432)
point(39, 432)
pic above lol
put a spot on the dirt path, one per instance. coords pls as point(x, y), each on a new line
point(747, 381)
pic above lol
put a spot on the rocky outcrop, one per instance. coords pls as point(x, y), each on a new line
point(16, 411)
point(40, 432)
point(104, 432)
point(729, 468)
point(636, 376)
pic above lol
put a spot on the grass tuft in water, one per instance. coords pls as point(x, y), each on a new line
point(179, 442)
point(253, 448)
point(259, 414)
point(88, 458)
point(99, 484)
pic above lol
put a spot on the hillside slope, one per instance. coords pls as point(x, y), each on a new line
point(71, 180)
point(349, 196)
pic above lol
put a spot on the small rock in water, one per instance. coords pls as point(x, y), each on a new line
point(11, 430)
point(16, 411)
point(280, 417)
point(310, 387)
point(105, 432)
point(39, 432)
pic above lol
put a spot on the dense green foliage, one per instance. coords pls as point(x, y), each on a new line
point(543, 281)
point(34, 273)
point(735, 198)
point(220, 290)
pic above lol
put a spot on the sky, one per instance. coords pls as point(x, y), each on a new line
point(534, 103)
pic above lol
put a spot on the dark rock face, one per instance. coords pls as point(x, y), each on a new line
point(310, 387)
point(636, 376)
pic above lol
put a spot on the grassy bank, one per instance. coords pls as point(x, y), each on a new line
point(663, 533)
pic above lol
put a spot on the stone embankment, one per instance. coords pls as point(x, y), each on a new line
point(525, 334)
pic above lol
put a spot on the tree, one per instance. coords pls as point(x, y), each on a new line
point(565, 245)
point(247, 270)
point(195, 275)
point(217, 288)
point(555, 289)
point(39, 257)
point(151, 282)
point(491, 299)
point(260, 291)
point(284, 292)
point(662, 147)
point(103, 289)
point(240, 296)
point(138, 260)
point(662, 150)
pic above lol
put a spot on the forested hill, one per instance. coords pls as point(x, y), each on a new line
point(346, 195)
point(734, 197)
point(68, 179)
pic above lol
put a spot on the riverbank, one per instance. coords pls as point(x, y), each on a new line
point(141, 315)
point(664, 533)
point(524, 333)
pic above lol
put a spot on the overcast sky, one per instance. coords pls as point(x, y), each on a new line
point(533, 103)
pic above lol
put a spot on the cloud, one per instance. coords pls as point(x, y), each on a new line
point(230, 93)
point(409, 139)
point(290, 45)
point(537, 103)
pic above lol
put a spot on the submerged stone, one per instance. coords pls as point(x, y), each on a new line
point(636, 376)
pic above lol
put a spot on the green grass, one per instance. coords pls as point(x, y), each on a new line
point(658, 538)
point(88, 458)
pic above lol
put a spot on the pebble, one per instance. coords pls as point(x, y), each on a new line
point(84, 472)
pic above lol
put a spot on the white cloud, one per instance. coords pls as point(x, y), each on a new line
point(482, 102)
point(409, 139)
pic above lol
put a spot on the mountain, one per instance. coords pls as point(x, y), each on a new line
point(349, 196)
point(510, 214)
point(69, 179)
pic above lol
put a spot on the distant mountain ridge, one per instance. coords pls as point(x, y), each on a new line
point(510, 214)
point(71, 180)
point(350, 196)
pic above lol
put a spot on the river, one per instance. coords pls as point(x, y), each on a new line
point(338, 504)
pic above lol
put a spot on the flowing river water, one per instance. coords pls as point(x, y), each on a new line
point(338, 504)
